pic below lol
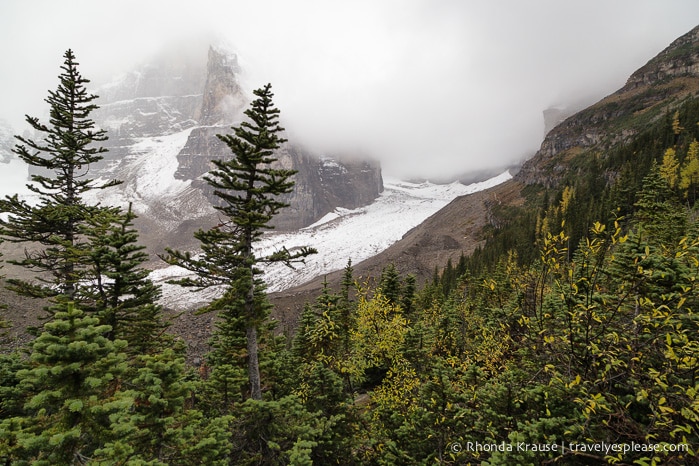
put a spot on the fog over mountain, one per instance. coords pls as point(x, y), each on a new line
point(434, 89)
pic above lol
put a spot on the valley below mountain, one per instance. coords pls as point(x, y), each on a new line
point(649, 97)
point(197, 289)
point(162, 121)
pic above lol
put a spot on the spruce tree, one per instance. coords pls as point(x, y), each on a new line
point(12, 400)
point(302, 346)
point(689, 173)
point(274, 432)
point(248, 188)
point(318, 337)
point(390, 285)
point(159, 428)
point(657, 210)
point(72, 388)
point(409, 289)
point(346, 306)
point(347, 282)
point(121, 293)
point(62, 159)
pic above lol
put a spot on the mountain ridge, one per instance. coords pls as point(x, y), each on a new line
point(650, 93)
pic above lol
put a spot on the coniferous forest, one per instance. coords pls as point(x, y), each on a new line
point(569, 337)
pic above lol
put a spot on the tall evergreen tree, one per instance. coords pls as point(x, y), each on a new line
point(62, 158)
point(302, 344)
point(249, 189)
point(689, 173)
point(389, 284)
point(346, 307)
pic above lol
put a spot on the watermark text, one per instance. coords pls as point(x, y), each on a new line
point(566, 447)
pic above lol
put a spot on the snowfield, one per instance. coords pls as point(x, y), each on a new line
point(341, 235)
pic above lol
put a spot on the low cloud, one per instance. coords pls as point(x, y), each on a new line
point(431, 88)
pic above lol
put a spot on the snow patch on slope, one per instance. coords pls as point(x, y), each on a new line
point(343, 234)
point(154, 166)
point(150, 170)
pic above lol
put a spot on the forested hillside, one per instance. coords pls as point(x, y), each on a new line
point(570, 337)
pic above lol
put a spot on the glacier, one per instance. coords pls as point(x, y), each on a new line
point(339, 236)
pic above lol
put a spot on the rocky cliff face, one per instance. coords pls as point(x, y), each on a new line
point(321, 183)
point(324, 183)
point(680, 59)
point(650, 93)
point(158, 99)
point(223, 100)
point(162, 121)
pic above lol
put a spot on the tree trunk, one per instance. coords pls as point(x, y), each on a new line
point(253, 364)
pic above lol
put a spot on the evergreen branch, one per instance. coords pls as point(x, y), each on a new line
point(288, 258)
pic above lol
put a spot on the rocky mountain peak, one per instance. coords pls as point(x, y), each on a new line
point(162, 120)
point(223, 100)
point(651, 92)
point(177, 70)
point(679, 59)
point(553, 116)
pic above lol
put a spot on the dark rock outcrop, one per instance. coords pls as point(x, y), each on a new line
point(321, 183)
point(679, 59)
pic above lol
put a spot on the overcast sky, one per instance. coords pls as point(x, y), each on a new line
point(428, 86)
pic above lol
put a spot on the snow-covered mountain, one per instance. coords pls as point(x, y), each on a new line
point(162, 120)
point(343, 234)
